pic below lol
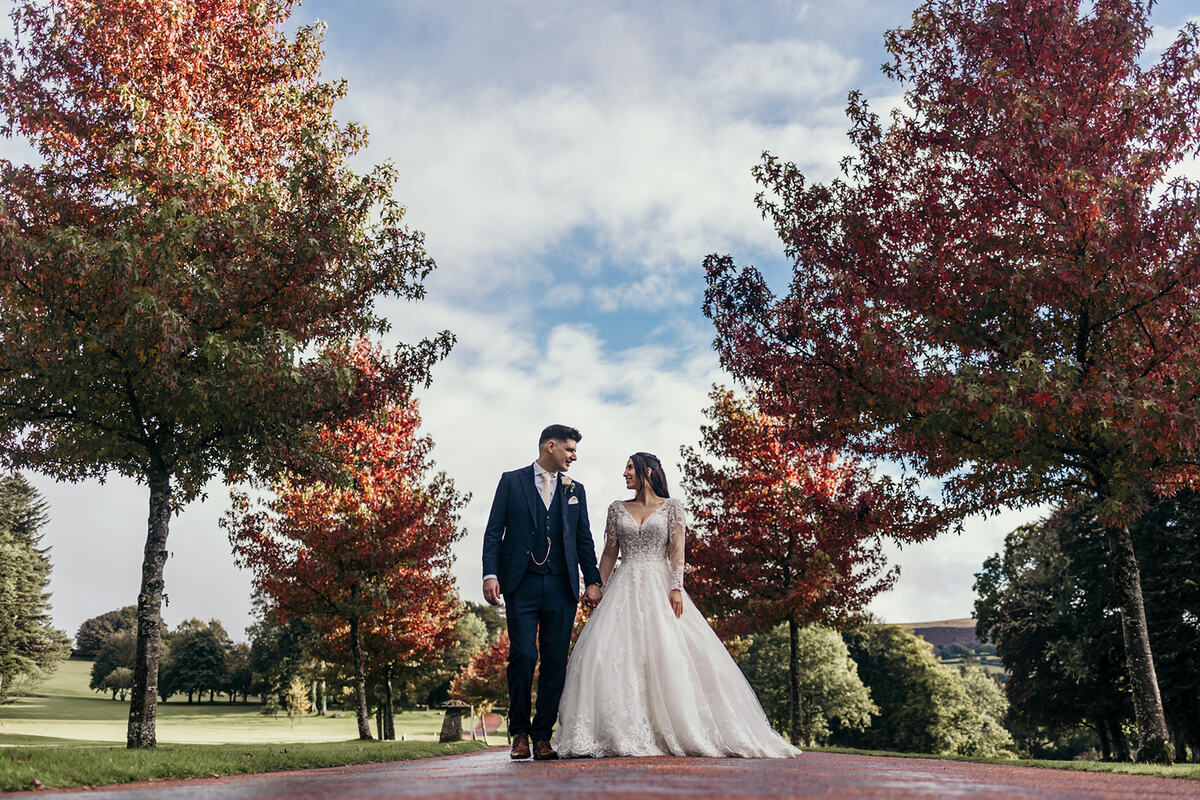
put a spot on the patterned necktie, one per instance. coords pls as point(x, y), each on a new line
point(548, 489)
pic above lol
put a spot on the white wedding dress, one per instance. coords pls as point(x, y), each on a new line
point(641, 682)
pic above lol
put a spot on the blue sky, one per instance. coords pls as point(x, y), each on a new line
point(571, 165)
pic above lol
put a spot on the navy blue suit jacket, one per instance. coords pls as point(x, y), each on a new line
point(511, 528)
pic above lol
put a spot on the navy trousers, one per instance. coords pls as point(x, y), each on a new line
point(541, 614)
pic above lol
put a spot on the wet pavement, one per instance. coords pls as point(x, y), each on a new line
point(490, 774)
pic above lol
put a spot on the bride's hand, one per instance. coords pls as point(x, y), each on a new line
point(676, 598)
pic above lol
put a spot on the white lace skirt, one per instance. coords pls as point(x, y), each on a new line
point(642, 683)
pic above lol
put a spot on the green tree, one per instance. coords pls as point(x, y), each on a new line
point(119, 682)
point(94, 633)
point(190, 270)
point(430, 684)
point(277, 651)
point(832, 695)
point(240, 675)
point(924, 706)
point(491, 616)
point(197, 662)
point(120, 651)
point(30, 646)
point(1045, 602)
point(991, 738)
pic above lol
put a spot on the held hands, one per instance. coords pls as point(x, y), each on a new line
point(491, 591)
point(676, 598)
point(592, 595)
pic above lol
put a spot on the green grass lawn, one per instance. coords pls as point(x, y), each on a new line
point(76, 765)
point(68, 735)
point(65, 710)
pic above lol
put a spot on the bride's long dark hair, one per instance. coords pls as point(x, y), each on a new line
point(658, 478)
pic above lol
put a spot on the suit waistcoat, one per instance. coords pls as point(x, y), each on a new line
point(549, 525)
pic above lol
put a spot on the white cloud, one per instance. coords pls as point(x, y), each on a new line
point(500, 387)
point(487, 405)
point(746, 75)
point(654, 291)
point(500, 180)
point(556, 154)
point(936, 577)
point(1163, 36)
point(654, 168)
point(489, 401)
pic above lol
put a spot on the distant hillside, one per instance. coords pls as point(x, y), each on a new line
point(952, 639)
point(946, 632)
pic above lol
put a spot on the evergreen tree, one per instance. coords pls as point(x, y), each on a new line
point(30, 646)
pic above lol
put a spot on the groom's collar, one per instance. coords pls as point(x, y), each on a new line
point(537, 469)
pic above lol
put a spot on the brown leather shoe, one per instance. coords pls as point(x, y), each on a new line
point(542, 751)
point(520, 748)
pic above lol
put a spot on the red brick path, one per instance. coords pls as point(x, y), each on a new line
point(490, 775)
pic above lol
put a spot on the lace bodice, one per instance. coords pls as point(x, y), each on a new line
point(659, 538)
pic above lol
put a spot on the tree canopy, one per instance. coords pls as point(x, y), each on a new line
point(998, 291)
point(189, 272)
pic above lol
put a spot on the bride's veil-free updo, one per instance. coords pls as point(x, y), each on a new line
point(658, 478)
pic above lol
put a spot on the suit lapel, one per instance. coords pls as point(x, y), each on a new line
point(531, 493)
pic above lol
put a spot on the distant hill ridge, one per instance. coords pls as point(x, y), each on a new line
point(946, 632)
point(961, 622)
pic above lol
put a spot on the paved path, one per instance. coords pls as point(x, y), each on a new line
point(489, 774)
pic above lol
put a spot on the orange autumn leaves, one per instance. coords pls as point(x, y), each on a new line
point(369, 541)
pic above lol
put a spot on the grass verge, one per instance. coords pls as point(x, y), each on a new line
point(82, 765)
point(1191, 771)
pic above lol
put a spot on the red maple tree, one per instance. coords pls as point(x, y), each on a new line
point(408, 628)
point(364, 558)
point(184, 272)
point(1000, 290)
point(788, 533)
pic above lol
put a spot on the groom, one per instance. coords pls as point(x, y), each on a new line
point(537, 540)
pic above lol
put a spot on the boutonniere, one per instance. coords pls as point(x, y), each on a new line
point(568, 485)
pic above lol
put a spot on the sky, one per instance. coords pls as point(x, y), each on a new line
point(571, 165)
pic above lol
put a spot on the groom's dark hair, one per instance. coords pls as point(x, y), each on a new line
point(559, 433)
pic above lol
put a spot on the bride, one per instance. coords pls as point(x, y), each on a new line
point(648, 677)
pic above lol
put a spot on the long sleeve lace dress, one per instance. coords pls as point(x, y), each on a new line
point(641, 682)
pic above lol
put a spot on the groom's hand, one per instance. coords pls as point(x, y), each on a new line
point(491, 591)
point(592, 594)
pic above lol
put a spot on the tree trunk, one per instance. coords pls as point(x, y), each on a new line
point(360, 681)
point(1153, 745)
point(324, 708)
point(1120, 743)
point(143, 705)
point(797, 718)
point(389, 717)
point(1105, 747)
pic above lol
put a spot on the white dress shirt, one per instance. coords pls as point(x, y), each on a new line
point(541, 476)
